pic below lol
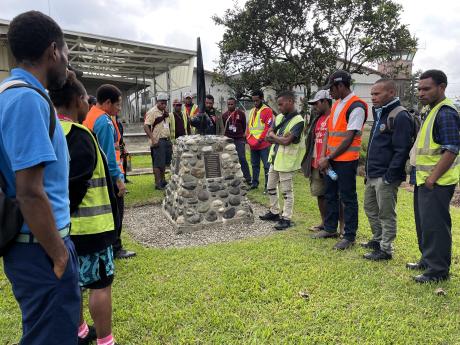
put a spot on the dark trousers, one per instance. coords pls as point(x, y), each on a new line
point(433, 224)
point(256, 157)
point(241, 150)
point(118, 227)
point(50, 307)
point(344, 190)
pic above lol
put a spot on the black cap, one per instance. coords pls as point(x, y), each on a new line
point(92, 100)
point(337, 77)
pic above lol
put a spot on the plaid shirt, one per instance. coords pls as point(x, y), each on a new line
point(446, 130)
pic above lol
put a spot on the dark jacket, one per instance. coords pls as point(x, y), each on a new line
point(212, 122)
point(388, 150)
point(310, 146)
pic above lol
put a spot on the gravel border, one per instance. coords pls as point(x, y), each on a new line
point(149, 226)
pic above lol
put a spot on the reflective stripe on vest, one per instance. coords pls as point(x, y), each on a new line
point(94, 214)
point(172, 124)
point(429, 152)
point(94, 114)
point(288, 157)
point(337, 133)
point(256, 127)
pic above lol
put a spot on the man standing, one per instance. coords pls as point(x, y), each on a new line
point(42, 264)
point(437, 174)
point(314, 147)
point(93, 209)
point(156, 126)
point(235, 127)
point(189, 109)
point(285, 158)
point(212, 119)
point(101, 120)
point(387, 152)
point(345, 125)
point(260, 121)
point(178, 123)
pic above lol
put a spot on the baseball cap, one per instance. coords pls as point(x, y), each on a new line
point(188, 95)
point(162, 97)
point(321, 94)
point(337, 77)
point(176, 101)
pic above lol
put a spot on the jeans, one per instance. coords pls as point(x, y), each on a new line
point(117, 246)
point(344, 189)
point(256, 157)
point(50, 306)
point(241, 150)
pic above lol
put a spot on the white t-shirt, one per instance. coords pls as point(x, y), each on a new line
point(357, 116)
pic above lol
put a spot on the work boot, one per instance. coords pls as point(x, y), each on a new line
point(324, 234)
point(416, 266)
point(374, 245)
point(343, 244)
point(270, 216)
point(377, 255)
point(422, 279)
point(283, 224)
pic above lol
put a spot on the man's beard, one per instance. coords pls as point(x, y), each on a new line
point(55, 80)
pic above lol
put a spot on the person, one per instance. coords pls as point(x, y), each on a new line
point(91, 102)
point(321, 103)
point(285, 158)
point(341, 155)
point(235, 127)
point(124, 153)
point(101, 121)
point(260, 121)
point(41, 265)
point(156, 126)
point(437, 173)
point(387, 152)
point(178, 123)
point(189, 109)
point(211, 119)
point(93, 209)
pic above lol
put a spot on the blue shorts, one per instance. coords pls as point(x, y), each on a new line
point(50, 306)
point(96, 269)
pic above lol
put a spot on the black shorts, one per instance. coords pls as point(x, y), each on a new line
point(161, 153)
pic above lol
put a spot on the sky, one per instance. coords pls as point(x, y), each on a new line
point(177, 23)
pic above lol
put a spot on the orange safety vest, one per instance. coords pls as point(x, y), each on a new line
point(91, 119)
point(338, 133)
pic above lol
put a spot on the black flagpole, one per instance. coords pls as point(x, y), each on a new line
point(200, 86)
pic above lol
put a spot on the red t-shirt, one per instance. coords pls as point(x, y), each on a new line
point(320, 132)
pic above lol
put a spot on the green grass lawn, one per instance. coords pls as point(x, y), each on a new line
point(247, 292)
point(144, 161)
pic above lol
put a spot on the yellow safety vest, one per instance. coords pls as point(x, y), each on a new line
point(94, 214)
point(429, 152)
point(256, 127)
point(172, 124)
point(288, 157)
point(193, 112)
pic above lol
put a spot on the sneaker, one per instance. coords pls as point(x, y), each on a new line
point(343, 244)
point(270, 216)
point(89, 338)
point(159, 187)
point(283, 224)
point(124, 254)
point(254, 186)
point(325, 234)
point(377, 255)
point(423, 279)
point(164, 184)
point(416, 266)
point(374, 245)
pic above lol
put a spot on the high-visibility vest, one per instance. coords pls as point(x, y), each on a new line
point(288, 157)
point(429, 152)
point(94, 214)
point(337, 133)
point(172, 124)
point(255, 126)
point(94, 114)
point(193, 111)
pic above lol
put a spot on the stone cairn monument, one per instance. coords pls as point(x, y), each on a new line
point(206, 185)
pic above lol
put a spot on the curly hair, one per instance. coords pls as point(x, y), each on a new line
point(72, 89)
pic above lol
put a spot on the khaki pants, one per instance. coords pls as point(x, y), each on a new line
point(283, 182)
point(380, 207)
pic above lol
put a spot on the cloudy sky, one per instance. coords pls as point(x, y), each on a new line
point(177, 23)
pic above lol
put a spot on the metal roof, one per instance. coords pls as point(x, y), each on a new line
point(103, 57)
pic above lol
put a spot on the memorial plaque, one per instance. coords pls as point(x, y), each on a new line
point(212, 165)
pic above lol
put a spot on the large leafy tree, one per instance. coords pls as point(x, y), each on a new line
point(286, 43)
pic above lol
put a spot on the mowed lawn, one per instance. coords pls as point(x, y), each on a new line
point(247, 292)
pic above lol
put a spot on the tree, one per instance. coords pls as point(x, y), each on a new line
point(287, 43)
point(274, 43)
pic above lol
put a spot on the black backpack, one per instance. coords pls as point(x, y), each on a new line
point(416, 120)
point(11, 219)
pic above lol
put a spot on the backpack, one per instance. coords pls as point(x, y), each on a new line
point(11, 219)
point(416, 121)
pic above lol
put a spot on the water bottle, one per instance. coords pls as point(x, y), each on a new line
point(332, 174)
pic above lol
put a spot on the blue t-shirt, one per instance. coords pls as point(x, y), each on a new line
point(25, 143)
